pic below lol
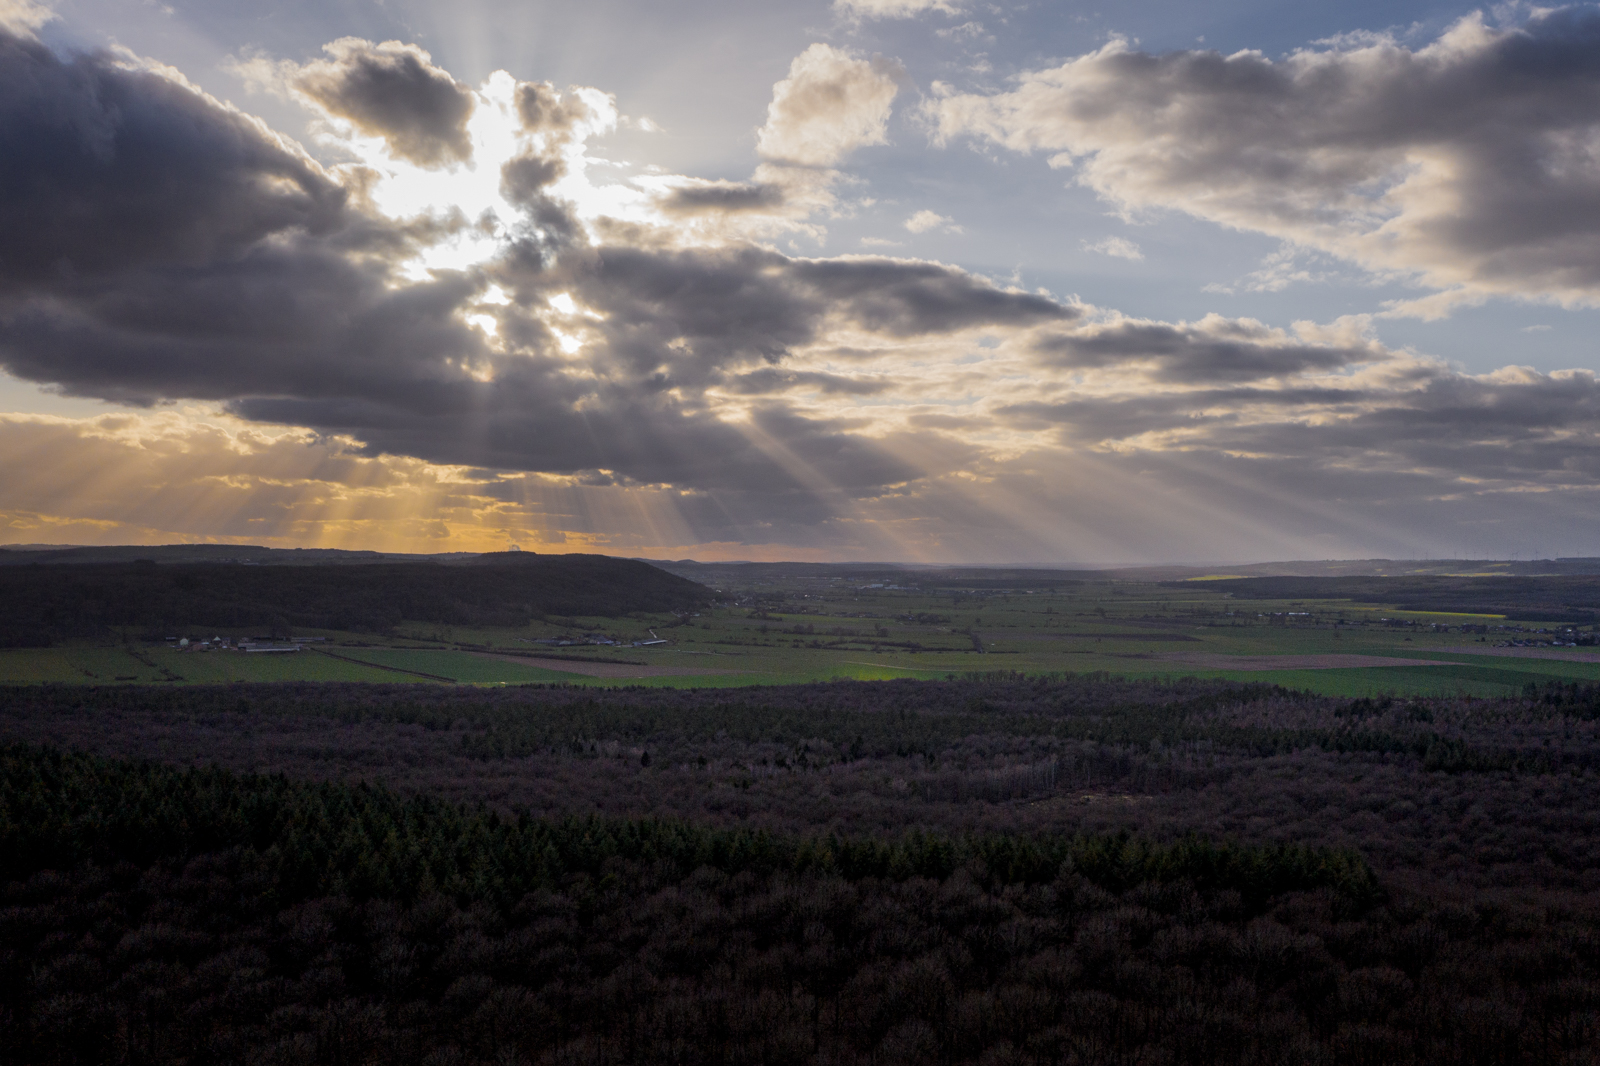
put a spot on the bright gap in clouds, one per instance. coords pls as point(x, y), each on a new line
point(472, 189)
point(471, 193)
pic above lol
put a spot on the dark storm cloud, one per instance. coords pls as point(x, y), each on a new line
point(696, 311)
point(1468, 162)
point(1516, 425)
point(1526, 427)
point(392, 90)
point(907, 298)
point(1213, 350)
point(272, 321)
point(155, 244)
point(724, 196)
point(103, 167)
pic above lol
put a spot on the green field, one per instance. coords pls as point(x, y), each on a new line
point(812, 629)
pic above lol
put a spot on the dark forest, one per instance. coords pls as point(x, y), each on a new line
point(990, 869)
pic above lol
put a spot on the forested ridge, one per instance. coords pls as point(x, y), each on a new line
point(45, 604)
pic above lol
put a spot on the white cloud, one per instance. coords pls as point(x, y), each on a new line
point(1117, 247)
point(926, 220)
point(892, 9)
point(967, 31)
point(24, 16)
point(830, 104)
point(1471, 165)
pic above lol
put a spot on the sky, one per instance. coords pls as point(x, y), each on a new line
point(913, 280)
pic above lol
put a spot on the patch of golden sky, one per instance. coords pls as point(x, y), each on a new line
point(191, 475)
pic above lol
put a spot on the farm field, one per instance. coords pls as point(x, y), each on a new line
point(464, 667)
point(810, 629)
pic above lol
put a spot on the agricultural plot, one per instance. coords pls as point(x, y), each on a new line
point(215, 667)
point(82, 665)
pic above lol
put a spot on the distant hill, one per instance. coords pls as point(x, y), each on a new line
point(43, 604)
point(74, 555)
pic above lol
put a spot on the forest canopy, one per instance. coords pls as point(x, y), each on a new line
point(150, 913)
point(990, 869)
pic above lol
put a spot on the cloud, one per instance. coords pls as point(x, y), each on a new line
point(773, 380)
point(1211, 351)
point(1466, 165)
point(1117, 247)
point(966, 31)
point(893, 9)
point(830, 104)
point(544, 110)
point(926, 220)
point(22, 17)
point(726, 196)
point(160, 244)
point(245, 274)
point(902, 298)
point(1449, 435)
point(538, 355)
point(390, 90)
point(105, 164)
